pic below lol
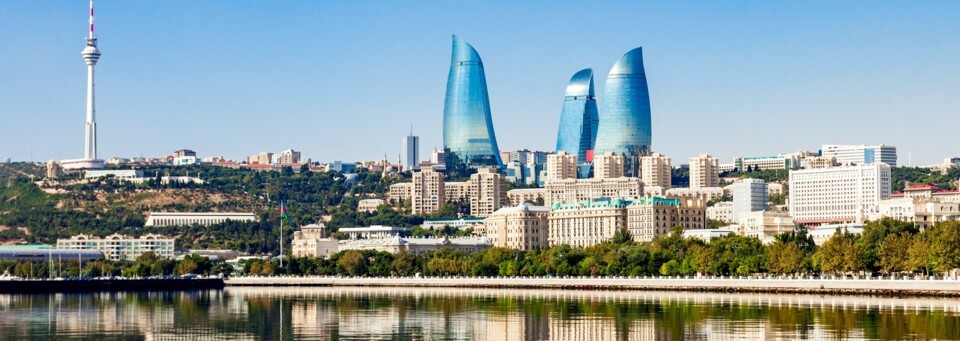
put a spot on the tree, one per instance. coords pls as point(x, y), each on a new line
point(873, 236)
point(352, 263)
point(894, 252)
point(840, 254)
point(785, 258)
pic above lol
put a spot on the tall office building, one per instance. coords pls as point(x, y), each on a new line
point(578, 120)
point(656, 170)
point(410, 155)
point(91, 54)
point(704, 171)
point(749, 195)
point(625, 116)
point(468, 137)
point(861, 154)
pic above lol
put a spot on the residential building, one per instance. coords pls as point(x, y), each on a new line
point(747, 164)
point(312, 241)
point(922, 212)
point(456, 191)
point(861, 154)
point(369, 205)
point(656, 170)
point(427, 195)
point(400, 192)
point(608, 166)
point(191, 218)
point(749, 195)
point(263, 158)
point(373, 232)
point(526, 195)
point(721, 211)
point(561, 166)
point(625, 127)
point(702, 193)
point(927, 191)
point(186, 160)
point(843, 194)
point(577, 190)
point(468, 136)
point(487, 192)
point(117, 247)
point(288, 157)
point(418, 245)
point(585, 223)
point(704, 171)
point(183, 152)
point(765, 225)
point(819, 162)
point(774, 188)
point(522, 227)
point(652, 217)
point(410, 153)
point(579, 120)
point(438, 157)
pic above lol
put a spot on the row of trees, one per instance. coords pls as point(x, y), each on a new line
point(146, 265)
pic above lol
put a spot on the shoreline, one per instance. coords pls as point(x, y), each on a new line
point(106, 285)
point(881, 288)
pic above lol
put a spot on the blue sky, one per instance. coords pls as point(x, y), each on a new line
point(345, 80)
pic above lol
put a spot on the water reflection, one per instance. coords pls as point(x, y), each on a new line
point(460, 314)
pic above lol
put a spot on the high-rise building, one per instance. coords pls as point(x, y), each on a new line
point(704, 171)
point(561, 165)
point(656, 170)
point(427, 195)
point(839, 194)
point(410, 155)
point(579, 120)
point(749, 195)
point(608, 166)
point(861, 154)
point(625, 116)
point(487, 192)
point(468, 137)
point(91, 54)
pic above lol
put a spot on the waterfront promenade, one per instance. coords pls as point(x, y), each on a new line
point(883, 287)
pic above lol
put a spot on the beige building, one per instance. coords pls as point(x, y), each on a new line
point(524, 195)
point(190, 218)
point(704, 171)
point(311, 241)
point(765, 225)
point(522, 227)
point(561, 166)
point(260, 159)
point(721, 211)
point(655, 170)
point(576, 190)
point(369, 205)
point(456, 191)
point(922, 212)
point(608, 166)
point(925, 191)
point(702, 193)
point(487, 192)
point(289, 156)
point(819, 162)
point(399, 192)
point(652, 217)
point(117, 247)
point(428, 191)
point(586, 223)
point(53, 170)
point(418, 245)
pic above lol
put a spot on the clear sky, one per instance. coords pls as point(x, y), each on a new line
point(344, 80)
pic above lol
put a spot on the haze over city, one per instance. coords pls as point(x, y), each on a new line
point(345, 81)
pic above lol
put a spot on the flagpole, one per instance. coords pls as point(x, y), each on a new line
point(282, 209)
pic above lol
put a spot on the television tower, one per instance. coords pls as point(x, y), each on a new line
point(90, 55)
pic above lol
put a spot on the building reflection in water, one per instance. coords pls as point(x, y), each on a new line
point(457, 314)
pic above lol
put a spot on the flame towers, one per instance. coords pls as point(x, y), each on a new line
point(468, 137)
point(90, 55)
point(578, 120)
point(625, 115)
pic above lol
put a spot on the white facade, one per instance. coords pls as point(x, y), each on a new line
point(705, 234)
point(373, 232)
point(765, 225)
point(839, 194)
point(116, 173)
point(118, 247)
point(749, 195)
point(823, 233)
point(861, 154)
point(410, 154)
point(417, 245)
point(190, 218)
point(522, 227)
point(185, 160)
point(369, 205)
point(921, 212)
point(722, 211)
point(311, 241)
point(609, 165)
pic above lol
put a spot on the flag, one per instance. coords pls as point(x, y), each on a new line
point(283, 213)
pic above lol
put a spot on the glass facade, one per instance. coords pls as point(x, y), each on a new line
point(578, 120)
point(468, 137)
point(625, 114)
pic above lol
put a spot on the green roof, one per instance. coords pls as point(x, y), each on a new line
point(658, 201)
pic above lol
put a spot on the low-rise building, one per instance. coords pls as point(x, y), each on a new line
point(652, 217)
point(418, 245)
point(400, 192)
point(922, 212)
point(522, 227)
point(373, 232)
point(312, 241)
point(369, 205)
point(766, 225)
point(116, 173)
point(118, 247)
point(823, 233)
point(526, 195)
point(702, 193)
point(456, 191)
point(722, 211)
point(577, 190)
point(706, 235)
point(190, 218)
point(586, 223)
point(432, 224)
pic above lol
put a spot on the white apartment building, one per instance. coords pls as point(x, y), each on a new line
point(118, 247)
point(704, 171)
point(722, 211)
point(765, 225)
point(522, 227)
point(586, 223)
point(427, 194)
point(742, 164)
point(561, 166)
point(190, 218)
point(846, 154)
point(609, 165)
point(487, 192)
point(749, 195)
point(840, 194)
point(921, 212)
point(655, 170)
point(576, 190)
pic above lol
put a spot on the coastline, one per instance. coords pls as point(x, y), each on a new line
point(100, 285)
point(883, 288)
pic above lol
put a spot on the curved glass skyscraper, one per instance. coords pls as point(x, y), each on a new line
point(578, 120)
point(625, 114)
point(468, 137)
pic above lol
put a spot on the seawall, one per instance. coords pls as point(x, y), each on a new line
point(939, 288)
point(96, 285)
